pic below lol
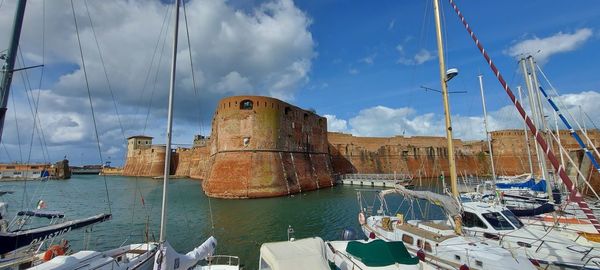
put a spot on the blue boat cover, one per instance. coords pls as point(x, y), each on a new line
point(529, 184)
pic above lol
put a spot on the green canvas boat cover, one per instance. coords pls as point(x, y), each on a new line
point(380, 253)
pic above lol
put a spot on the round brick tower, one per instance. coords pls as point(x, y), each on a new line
point(264, 147)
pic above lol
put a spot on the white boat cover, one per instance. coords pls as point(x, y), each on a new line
point(168, 259)
point(307, 253)
point(449, 204)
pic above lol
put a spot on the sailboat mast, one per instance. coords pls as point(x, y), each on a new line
point(526, 135)
point(163, 216)
point(9, 66)
point(487, 133)
point(443, 81)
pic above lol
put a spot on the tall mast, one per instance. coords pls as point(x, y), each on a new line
point(443, 81)
point(539, 155)
point(163, 216)
point(526, 135)
point(534, 82)
point(487, 133)
point(9, 66)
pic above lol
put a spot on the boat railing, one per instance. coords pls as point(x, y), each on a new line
point(589, 260)
point(223, 260)
point(375, 176)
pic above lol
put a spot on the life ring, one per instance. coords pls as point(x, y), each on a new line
point(53, 251)
point(361, 218)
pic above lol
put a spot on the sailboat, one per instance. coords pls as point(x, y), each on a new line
point(17, 243)
point(441, 243)
point(315, 253)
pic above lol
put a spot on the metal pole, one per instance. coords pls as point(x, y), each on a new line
point(487, 133)
point(11, 57)
point(533, 112)
point(562, 159)
point(526, 135)
point(163, 216)
point(544, 126)
point(443, 81)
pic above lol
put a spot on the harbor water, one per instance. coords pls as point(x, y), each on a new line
point(240, 226)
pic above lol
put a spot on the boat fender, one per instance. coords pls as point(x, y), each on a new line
point(361, 218)
point(421, 255)
point(53, 251)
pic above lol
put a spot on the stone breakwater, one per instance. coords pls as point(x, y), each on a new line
point(264, 147)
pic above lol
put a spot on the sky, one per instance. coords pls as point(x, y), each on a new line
point(360, 64)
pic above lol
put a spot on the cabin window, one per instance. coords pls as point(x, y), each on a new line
point(456, 257)
point(419, 243)
point(35, 172)
point(479, 263)
point(472, 220)
point(498, 221)
point(512, 218)
point(428, 247)
point(523, 244)
point(16, 173)
point(407, 239)
point(34, 167)
point(246, 105)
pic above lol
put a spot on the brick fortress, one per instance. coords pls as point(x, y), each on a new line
point(264, 147)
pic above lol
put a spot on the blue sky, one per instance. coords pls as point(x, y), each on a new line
point(359, 63)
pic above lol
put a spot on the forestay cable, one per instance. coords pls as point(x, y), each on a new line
point(87, 84)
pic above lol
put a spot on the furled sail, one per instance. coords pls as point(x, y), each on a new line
point(168, 259)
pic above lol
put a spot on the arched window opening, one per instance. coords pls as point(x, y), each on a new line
point(246, 105)
point(287, 110)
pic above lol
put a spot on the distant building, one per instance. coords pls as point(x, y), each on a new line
point(138, 142)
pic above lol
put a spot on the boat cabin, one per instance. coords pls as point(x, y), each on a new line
point(489, 219)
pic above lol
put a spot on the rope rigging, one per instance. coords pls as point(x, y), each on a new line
point(87, 84)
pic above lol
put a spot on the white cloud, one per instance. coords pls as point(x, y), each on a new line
point(336, 125)
point(353, 71)
point(423, 56)
point(418, 58)
point(369, 60)
point(543, 48)
point(381, 121)
point(392, 24)
point(265, 50)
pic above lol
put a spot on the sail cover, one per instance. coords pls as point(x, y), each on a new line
point(168, 259)
point(10, 241)
point(307, 253)
point(379, 253)
point(49, 214)
point(449, 204)
point(529, 184)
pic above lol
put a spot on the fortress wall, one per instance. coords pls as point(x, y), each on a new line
point(272, 149)
point(147, 162)
point(510, 150)
point(424, 156)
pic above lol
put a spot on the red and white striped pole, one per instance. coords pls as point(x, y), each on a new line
point(575, 195)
